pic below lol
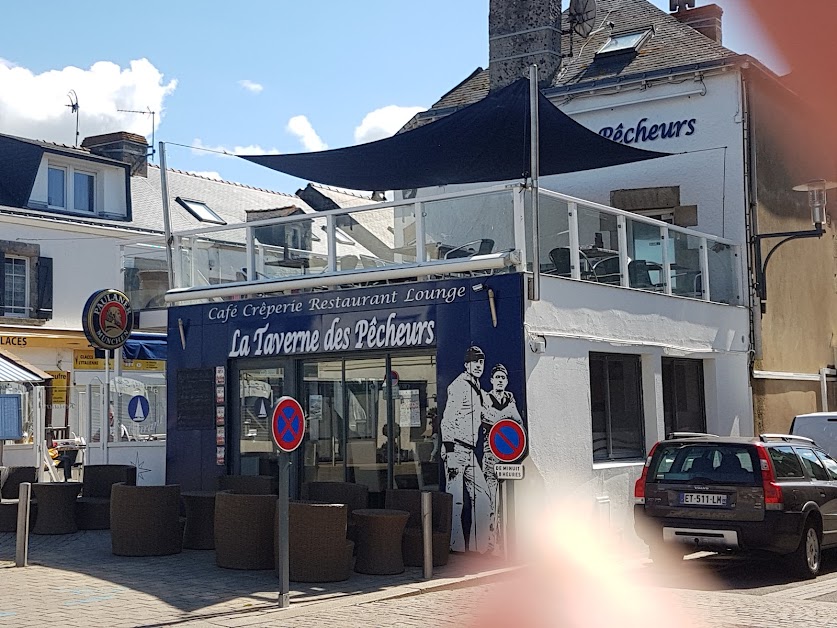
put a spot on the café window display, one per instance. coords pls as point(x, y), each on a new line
point(371, 420)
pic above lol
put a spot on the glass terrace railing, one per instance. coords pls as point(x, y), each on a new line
point(591, 242)
point(482, 230)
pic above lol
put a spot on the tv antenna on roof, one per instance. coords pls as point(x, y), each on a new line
point(73, 109)
point(145, 113)
point(581, 17)
point(582, 14)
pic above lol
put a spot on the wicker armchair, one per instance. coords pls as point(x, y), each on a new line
point(249, 484)
point(353, 496)
point(319, 551)
point(9, 492)
point(412, 544)
point(244, 530)
point(93, 507)
point(145, 520)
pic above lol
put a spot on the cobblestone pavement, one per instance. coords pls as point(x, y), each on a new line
point(76, 576)
point(75, 580)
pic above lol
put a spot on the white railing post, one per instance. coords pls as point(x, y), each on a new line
point(622, 239)
point(331, 234)
point(704, 270)
point(738, 268)
point(421, 237)
point(575, 257)
point(177, 263)
point(251, 253)
point(519, 209)
point(666, 261)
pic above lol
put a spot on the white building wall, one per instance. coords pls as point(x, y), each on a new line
point(708, 165)
point(84, 260)
point(577, 318)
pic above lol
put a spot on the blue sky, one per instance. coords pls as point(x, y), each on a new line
point(270, 76)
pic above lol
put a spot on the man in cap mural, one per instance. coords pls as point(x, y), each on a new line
point(500, 404)
point(460, 427)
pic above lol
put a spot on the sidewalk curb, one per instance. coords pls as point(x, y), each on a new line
point(401, 591)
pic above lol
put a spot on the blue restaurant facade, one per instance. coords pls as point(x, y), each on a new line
point(399, 383)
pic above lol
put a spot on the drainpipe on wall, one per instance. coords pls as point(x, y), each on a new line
point(751, 198)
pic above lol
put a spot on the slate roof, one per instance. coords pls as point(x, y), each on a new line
point(20, 158)
point(673, 45)
point(230, 201)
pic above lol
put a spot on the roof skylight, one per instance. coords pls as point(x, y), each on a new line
point(625, 42)
point(200, 210)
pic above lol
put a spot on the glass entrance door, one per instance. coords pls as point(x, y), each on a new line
point(258, 390)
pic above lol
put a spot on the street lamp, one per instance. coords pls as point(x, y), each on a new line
point(816, 203)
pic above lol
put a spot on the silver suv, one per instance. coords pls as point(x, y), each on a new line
point(775, 493)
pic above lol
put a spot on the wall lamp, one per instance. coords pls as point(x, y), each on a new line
point(816, 203)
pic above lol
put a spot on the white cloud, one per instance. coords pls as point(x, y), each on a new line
point(301, 127)
point(33, 105)
point(384, 122)
point(199, 148)
point(207, 174)
point(251, 86)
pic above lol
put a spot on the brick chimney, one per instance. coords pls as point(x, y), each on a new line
point(706, 20)
point(129, 148)
point(520, 33)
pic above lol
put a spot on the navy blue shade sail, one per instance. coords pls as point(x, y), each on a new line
point(486, 141)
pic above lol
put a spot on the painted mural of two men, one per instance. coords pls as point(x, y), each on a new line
point(469, 414)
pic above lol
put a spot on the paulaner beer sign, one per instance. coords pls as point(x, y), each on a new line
point(107, 319)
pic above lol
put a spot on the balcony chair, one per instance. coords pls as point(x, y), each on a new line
point(483, 246)
point(639, 275)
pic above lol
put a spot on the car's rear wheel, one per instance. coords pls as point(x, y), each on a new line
point(806, 560)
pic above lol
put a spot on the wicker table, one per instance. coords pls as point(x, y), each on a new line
point(200, 520)
point(379, 534)
point(56, 507)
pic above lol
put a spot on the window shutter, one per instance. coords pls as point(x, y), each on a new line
point(43, 307)
point(2, 284)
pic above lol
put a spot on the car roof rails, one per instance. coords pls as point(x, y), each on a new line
point(788, 438)
point(690, 435)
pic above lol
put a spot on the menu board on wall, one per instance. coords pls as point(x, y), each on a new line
point(195, 399)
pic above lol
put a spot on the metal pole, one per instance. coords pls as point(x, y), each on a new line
point(427, 532)
point(282, 531)
point(534, 160)
point(106, 396)
point(509, 527)
point(164, 186)
point(22, 547)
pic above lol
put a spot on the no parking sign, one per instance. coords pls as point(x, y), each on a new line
point(507, 440)
point(288, 424)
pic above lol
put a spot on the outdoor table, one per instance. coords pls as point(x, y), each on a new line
point(200, 519)
point(56, 507)
point(379, 534)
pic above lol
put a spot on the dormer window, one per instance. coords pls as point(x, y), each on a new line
point(82, 190)
point(84, 184)
point(625, 43)
point(200, 210)
point(57, 192)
